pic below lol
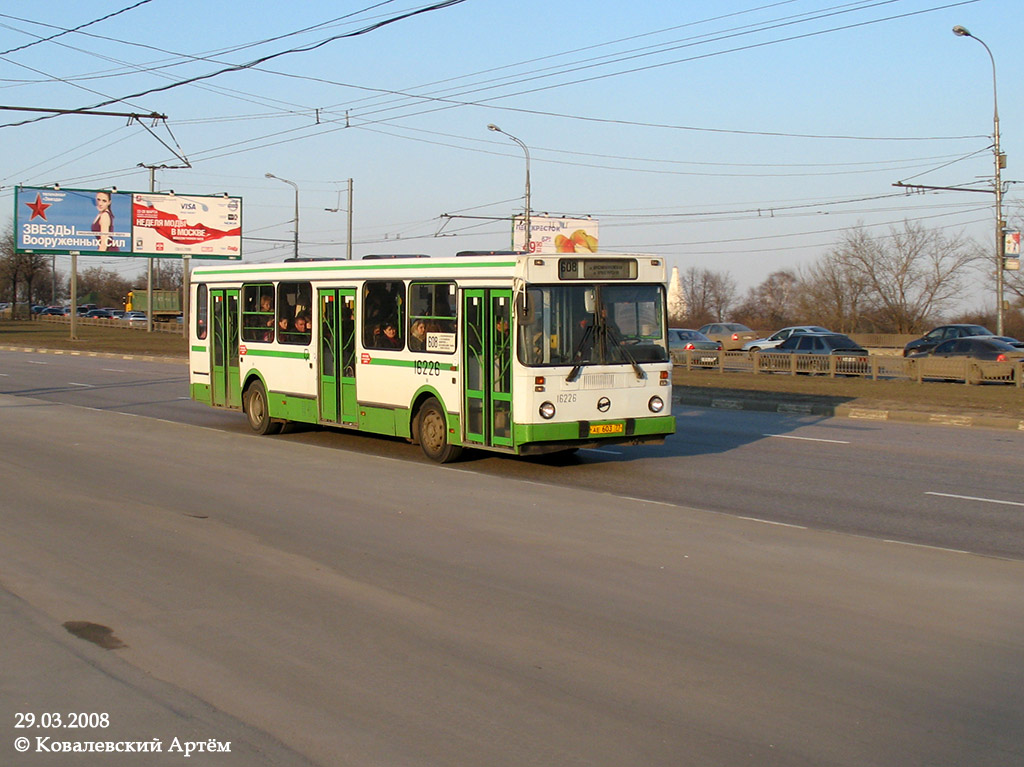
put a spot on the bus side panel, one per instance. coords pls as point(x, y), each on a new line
point(388, 385)
point(200, 392)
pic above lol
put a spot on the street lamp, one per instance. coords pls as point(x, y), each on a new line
point(494, 127)
point(296, 186)
point(1000, 163)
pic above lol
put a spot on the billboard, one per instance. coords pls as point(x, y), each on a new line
point(84, 221)
point(1011, 251)
point(201, 227)
point(555, 235)
point(65, 220)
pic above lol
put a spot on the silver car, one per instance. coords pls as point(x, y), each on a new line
point(779, 336)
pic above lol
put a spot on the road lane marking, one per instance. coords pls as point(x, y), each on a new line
point(809, 439)
point(113, 370)
point(73, 383)
point(36, 362)
point(599, 450)
point(975, 498)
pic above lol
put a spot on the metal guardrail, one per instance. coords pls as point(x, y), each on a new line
point(874, 366)
point(161, 327)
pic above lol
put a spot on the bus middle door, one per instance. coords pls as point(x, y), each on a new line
point(337, 355)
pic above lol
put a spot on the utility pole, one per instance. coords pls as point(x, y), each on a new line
point(348, 249)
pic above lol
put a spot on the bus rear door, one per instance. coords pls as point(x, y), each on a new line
point(225, 384)
point(487, 362)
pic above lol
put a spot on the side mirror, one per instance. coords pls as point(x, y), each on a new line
point(525, 312)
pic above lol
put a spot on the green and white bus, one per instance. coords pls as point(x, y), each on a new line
point(509, 352)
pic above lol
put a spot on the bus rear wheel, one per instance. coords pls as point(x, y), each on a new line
point(433, 433)
point(257, 410)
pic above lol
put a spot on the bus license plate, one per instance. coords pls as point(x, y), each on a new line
point(607, 428)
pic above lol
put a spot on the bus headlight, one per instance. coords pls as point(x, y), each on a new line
point(547, 411)
point(656, 404)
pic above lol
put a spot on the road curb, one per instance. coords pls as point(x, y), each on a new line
point(102, 355)
point(769, 405)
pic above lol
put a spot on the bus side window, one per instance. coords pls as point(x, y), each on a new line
point(432, 317)
point(202, 307)
point(384, 309)
point(294, 312)
point(258, 312)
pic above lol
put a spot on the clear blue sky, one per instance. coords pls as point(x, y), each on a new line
point(706, 132)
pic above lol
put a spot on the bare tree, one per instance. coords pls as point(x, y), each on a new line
point(709, 295)
point(107, 287)
point(772, 304)
point(833, 293)
point(912, 275)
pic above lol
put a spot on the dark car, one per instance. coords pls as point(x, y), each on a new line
point(943, 333)
point(683, 339)
point(985, 349)
point(852, 357)
point(976, 347)
point(98, 314)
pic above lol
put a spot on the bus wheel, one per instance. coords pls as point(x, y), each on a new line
point(258, 412)
point(433, 433)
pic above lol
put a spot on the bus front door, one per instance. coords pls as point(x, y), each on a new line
point(337, 355)
point(225, 384)
point(487, 362)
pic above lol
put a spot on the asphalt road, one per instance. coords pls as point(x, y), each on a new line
point(933, 485)
point(335, 599)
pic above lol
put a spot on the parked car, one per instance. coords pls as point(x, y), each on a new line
point(117, 314)
point(684, 338)
point(732, 335)
point(779, 336)
point(134, 316)
point(98, 314)
point(943, 333)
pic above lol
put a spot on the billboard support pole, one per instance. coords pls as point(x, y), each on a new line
point(149, 263)
point(74, 296)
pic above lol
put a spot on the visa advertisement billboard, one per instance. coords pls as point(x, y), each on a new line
point(87, 221)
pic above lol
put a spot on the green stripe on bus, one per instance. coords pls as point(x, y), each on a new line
point(276, 353)
point(199, 348)
point(412, 363)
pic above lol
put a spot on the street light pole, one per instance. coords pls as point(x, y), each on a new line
point(494, 127)
point(1000, 161)
point(296, 187)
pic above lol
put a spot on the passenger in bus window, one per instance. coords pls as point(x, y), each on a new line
point(418, 336)
point(388, 338)
point(303, 327)
point(267, 307)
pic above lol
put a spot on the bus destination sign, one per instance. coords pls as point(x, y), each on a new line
point(597, 269)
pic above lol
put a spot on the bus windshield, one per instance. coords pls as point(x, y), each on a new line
point(592, 324)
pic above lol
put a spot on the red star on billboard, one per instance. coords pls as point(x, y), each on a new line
point(38, 208)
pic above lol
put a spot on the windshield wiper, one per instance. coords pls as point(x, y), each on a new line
point(613, 332)
point(578, 355)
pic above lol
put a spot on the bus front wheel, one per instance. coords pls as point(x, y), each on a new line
point(257, 410)
point(433, 433)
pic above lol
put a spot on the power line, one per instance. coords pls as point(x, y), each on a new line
point(239, 67)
